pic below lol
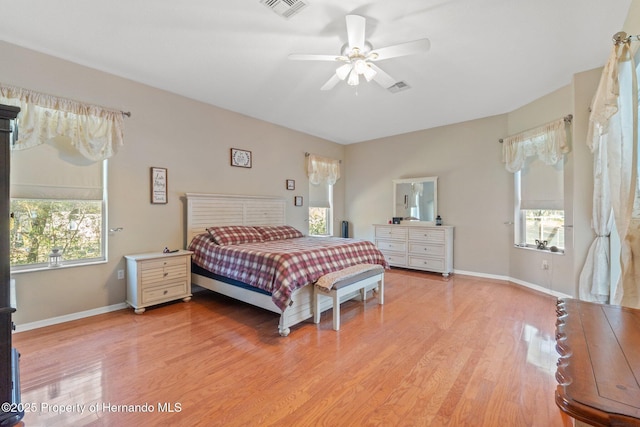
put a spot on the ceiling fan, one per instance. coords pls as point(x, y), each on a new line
point(358, 57)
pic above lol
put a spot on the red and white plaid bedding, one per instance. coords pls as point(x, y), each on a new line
point(282, 266)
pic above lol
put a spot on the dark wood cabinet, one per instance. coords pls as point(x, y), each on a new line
point(9, 378)
point(599, 366)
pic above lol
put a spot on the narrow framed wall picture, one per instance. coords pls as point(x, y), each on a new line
point(297, 201)
point(159, 184)
point(291, 184)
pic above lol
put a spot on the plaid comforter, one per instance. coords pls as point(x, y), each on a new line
point(282, 266)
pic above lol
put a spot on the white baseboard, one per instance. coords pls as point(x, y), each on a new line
point(516, 281)
point(70, 317)
point(114, 307)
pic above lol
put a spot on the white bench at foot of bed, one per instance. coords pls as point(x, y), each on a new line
point(347, 281)
point(301, 308)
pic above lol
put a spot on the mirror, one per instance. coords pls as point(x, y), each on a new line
point(416, 199)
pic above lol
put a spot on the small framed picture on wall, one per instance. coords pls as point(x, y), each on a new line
point(159, 183)
point(297, 201)
point(291, 184)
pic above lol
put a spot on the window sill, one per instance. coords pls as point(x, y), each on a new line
point(534, 249)
point(32, 269)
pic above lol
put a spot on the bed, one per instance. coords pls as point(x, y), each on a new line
point(273, 272)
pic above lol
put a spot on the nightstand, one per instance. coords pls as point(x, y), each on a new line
point(155, 278)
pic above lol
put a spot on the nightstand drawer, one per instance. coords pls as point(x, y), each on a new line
point(164, 292)
point(150, 277)
point(159, 264)
point(422, 249)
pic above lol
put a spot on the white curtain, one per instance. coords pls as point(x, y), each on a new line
point(94, 132)
point(613, 138)
point(548, 142)
point(322, 170)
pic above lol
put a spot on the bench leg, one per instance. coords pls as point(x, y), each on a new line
point(336, 310)
point(316, 306)
point(381, 290)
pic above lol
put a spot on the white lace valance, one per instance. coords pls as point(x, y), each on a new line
point(95, 132)
point(548, 142)
point(322, 170)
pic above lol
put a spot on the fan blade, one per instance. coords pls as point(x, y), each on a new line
point(311, 57)
point(334, 80)
point(355, 31)
point(382, 78)
point(402, 49)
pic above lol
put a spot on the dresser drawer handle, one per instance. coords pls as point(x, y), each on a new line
point(165, 292)
point(166, 274)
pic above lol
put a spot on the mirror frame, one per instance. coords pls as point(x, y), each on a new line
point(434, 180)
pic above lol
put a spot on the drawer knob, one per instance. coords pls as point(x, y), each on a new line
point(166, 292)
point(166, 274)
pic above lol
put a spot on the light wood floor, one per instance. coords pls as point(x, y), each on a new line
point(461, 351)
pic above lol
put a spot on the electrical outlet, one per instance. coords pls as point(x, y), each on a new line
point(120, 274)
point(545, 264)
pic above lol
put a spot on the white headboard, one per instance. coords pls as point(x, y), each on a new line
point(208, 210)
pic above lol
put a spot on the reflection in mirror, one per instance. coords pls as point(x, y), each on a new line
point(415, 199)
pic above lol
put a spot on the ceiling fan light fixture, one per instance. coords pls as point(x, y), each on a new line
point(369, 73)
point(354, 79)
point(343, 71)
point(360, 66)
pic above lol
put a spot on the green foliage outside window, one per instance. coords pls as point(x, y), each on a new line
point(38, 226)
point(319, 221)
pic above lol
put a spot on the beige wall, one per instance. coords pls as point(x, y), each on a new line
point(473, 186)
point(189, 138)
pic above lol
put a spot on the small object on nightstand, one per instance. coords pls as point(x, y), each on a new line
point(168, 251)
point(438, 220)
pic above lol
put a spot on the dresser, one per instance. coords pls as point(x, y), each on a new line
point(155, 278)
point(419, 247)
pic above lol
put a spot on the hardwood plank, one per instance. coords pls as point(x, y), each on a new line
point(442, 352)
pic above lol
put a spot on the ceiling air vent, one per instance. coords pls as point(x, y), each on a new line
point(398, 87)
point(285, 8)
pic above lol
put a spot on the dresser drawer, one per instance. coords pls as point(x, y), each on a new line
point(171, 292)
point(427, 234)
point(391, 232)
point(396, 259)
point(416, 248)
point(431, 264)
point(391, 245)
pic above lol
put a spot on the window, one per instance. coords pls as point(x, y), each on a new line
point(58, 178)
point(57, 202)
point(320, 209)
point(540, 205)
point(536, 158)
point(323, 174)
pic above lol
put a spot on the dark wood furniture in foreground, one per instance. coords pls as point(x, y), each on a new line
point(599, 366)
point(9, 378)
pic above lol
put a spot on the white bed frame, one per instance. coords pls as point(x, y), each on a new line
point(207, 210)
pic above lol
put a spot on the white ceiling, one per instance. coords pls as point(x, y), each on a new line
point(487, 57)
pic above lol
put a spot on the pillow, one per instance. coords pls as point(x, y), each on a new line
point(234, 234)
point(278, 232)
